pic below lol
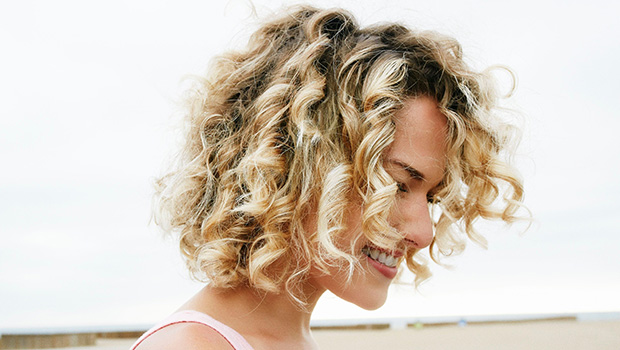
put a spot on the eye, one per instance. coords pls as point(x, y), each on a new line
point(431, 199)
point(402, 187)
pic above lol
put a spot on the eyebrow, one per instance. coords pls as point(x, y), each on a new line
point(413, 173)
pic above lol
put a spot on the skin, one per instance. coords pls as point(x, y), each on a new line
point(415, 161)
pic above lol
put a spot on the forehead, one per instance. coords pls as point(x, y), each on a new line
point(420, 136)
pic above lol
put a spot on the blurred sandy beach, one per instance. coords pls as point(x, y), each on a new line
point(546, 334)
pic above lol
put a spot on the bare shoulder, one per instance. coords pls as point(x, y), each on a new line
point(190, 336)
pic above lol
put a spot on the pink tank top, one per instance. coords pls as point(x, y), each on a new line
point(235, 339)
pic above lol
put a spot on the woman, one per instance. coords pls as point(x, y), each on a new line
point(323, 157)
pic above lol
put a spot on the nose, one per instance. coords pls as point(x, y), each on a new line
point(412, 219)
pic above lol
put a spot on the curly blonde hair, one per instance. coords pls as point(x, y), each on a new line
point(298, 122)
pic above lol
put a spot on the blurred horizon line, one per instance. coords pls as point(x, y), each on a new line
point(387, 322)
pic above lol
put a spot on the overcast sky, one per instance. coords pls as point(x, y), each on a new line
point(89, 115)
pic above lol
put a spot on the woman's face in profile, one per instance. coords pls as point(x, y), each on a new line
point(416, 161)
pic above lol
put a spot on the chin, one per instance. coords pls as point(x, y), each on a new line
point(369, 301)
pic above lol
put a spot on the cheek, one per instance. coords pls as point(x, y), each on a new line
point(364, 288)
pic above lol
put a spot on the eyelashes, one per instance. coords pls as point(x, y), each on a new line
point(402, 187)
point(430, 198)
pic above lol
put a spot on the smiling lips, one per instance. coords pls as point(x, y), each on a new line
point(385, 262)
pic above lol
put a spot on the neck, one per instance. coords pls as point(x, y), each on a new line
point(261, 316)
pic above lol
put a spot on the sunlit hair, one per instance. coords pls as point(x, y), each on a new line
point(297, 124)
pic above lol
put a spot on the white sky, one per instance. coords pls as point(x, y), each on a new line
point(88, 117)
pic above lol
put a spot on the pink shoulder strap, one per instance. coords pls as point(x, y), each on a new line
point(235, 339)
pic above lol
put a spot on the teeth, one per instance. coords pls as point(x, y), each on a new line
point(374, 253)
point(382, 257)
